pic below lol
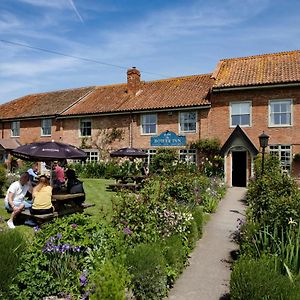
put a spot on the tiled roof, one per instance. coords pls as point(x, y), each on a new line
point(9, 144)
point(44, 104)
point(283, 67)
point(169, 93)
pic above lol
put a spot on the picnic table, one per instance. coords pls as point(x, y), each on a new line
point(133, 183)
point(63, 204)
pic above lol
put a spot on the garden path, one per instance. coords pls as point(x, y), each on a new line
point(208, 275)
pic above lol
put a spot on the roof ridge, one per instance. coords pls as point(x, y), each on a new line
point(180, 77)
point(261, 55)
point(58, 91)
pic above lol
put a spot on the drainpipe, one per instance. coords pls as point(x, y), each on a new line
point(131, 131)
point(2, 130)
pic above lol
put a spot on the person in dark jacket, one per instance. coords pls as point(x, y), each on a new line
point(75, 186)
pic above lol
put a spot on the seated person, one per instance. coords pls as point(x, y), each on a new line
point(75, 186)
point(15, 197)
point(33, 174)
point(59, 174)
point(42, 194)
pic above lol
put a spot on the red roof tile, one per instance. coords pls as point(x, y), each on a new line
point(169, 93)
point(283, 67)
point(44, 104)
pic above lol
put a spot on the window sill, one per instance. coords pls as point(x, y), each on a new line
point(148, 134)
point(278, 126)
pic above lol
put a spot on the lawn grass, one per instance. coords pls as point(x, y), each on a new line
point(96, 193)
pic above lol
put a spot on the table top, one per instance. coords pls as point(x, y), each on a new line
point(66, 196)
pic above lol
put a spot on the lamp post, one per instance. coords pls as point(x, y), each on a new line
point(263, 142)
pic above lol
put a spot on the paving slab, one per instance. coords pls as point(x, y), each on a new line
point(208, 275)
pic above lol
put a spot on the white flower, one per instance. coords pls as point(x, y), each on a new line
point(292, 222)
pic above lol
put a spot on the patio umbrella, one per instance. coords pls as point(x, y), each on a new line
point(48, 151)
point(129, 152)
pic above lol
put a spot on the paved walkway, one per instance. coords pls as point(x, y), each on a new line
point(208, 275)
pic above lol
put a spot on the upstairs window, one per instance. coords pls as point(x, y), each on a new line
point(280, 113)
point(149, 124)
point(187, 121)
point(85, 127)
point(240, 114)
point(15, 128)
point(46, 127)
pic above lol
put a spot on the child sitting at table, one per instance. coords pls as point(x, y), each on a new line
point(42, 194)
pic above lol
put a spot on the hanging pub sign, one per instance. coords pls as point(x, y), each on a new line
point(168, 138)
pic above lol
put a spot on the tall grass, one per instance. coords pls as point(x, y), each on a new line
point(284, 245)
point(12, 244)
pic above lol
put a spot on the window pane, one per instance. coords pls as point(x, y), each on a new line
point(245, 120)
point(245, 108)
point(235, 109)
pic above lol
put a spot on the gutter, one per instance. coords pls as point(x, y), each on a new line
point(257, 87)
point(134, 112)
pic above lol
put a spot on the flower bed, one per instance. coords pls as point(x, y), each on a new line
point(269, 267)
point(139, 252)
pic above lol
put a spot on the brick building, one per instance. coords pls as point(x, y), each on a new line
point(258, 93)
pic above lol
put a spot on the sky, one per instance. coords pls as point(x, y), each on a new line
point(162, 38)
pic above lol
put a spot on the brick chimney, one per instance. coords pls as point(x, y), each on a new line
point(133, 80)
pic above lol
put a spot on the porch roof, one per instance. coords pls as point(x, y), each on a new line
point(238, 133)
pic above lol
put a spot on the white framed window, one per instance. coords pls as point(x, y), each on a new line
point(15, 129)
point(85, 127)
point(280, 113)
point(151, 153)
point(149, 124)
point(46, 127)
point(188, 155)
point(188, 121)
point(92, 155)
point(284, 153)
point(240, 114)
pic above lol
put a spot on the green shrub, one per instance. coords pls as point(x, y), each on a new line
point(273, 198)
point(12, 244)
point(175, 252)
point(197, 213)
point(147, 266)
point(3, 179)
point(257, 279)
point(162, 160)
point(111, 281)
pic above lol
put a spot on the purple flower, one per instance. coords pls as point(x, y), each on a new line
point(76, 248)
point(36, 228)
point(59, 236)
point(83, 278)
point(52, 238)
point(126, 230)
point(74, 226)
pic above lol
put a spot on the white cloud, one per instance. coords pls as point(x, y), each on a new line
point(60, 4)
point(36, 67)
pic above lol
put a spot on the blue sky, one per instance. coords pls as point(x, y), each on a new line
point(167, 37)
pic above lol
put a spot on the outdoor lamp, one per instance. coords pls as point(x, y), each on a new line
point(263, 142)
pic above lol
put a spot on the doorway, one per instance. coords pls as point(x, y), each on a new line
point(239, 168)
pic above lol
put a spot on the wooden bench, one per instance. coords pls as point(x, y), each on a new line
point(68, 210)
